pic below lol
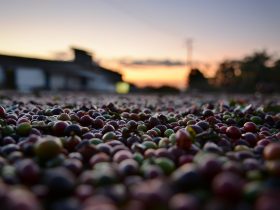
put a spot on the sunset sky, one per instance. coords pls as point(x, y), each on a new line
point(144, 39)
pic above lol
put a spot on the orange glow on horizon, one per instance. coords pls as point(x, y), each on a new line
point(156, 76)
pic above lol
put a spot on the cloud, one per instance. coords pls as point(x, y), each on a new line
point(152, 62)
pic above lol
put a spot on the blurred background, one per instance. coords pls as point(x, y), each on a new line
point(140, 46)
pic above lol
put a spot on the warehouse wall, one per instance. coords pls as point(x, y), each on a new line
point(29, 78)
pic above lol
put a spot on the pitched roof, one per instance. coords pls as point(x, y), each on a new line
point(69, 67)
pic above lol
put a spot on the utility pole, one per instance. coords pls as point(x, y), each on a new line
point(189, 44)
point(189, 64)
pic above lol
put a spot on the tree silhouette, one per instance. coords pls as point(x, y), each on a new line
point(274, 76)
point(227, 74)
point(255, 70)
point(197, 80)
point(252, 73)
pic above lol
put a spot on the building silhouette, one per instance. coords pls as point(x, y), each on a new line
point(80, 74)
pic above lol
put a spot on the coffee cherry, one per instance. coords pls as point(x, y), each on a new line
point(59, 128)
point(183, 139)
point(72, 130)
point(250, 127)
point(272, 151)
point(233, 132)
point(48, 147)
point(2, 112)
point(228, 186)
point(23, 129)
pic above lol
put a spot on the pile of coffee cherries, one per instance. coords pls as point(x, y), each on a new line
point(141, 152)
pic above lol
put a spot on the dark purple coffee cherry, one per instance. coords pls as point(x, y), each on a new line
point(233, 132)
point(2, 112)
point(72, 130)
point(86, 120)
point(59, 128)
point(228, 186)
point(28, 171)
